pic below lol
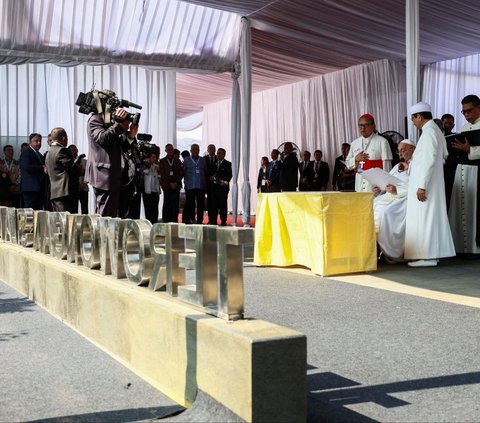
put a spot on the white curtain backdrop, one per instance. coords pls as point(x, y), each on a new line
point(412, 42)
point(319, 113)
point(446, 83)
point(39, 97)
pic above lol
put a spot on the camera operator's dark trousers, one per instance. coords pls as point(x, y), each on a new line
point(194, 197)
point(106, 202)
point(171, 200)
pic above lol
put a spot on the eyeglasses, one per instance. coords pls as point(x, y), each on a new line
point(468, 111)
point(364, 125)
point(414, 116)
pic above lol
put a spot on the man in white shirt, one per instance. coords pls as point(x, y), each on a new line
point(462, 213)
point(390, 207)
point(427, 234)
point(367, 151)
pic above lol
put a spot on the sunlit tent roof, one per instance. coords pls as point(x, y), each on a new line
point(291, 40)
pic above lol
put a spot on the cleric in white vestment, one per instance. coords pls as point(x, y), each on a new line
point(462, 212)
point(371, 150)
point(390, 208)
point(427, 234)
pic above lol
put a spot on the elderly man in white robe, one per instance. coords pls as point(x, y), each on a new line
point(390, 207)
point(427, 233)
point(368, 151)
point(462, 213)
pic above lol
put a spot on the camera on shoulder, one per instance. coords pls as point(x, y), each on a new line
point(106, 101)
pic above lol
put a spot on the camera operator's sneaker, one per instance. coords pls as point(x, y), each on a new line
point(423, 263)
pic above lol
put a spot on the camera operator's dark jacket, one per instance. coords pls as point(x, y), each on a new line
point(104, 157)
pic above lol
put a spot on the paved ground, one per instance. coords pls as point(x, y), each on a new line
point(377, 350)
point(51, 374)
point(397, 345)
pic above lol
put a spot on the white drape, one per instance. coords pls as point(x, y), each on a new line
point(412, 41)
point(319, 113)
point(189, 123)
point(235, 139)
point(446, 83)
point(37, 98)
point(246, 76)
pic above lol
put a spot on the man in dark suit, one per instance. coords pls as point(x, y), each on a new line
point(211, 160)
point(343, 179)
point(106, 135)
point(32, 167)
point(321, 173)
point(305, 168)
point(273, 172)
point(221, 180)
point(289, 169)
point(171, 174)
point(63, 173)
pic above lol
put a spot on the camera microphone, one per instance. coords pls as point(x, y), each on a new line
point(126, 103)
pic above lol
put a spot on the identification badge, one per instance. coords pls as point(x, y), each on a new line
point(197, 171)
point(171, 173)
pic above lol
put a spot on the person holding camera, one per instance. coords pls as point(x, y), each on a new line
point(109, 132)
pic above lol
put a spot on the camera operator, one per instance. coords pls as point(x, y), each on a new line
point(109, 133)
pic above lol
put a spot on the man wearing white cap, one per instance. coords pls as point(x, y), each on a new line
point(390, 208)
point(427, 234)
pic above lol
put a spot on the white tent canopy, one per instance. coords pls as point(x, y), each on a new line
point(127, 45)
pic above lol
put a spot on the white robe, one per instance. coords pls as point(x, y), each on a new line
point(427, 233)
point(377, 148)
point(390, 211)
point(463, 203)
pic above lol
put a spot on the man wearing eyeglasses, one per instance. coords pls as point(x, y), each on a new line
point(463, 212)
point(368, 151)
point(427, 233)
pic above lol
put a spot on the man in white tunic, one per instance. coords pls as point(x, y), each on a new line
point(462, 212)
point(390, 208)
point(427, 234)
point(367, 151)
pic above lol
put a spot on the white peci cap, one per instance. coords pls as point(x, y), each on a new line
point(420, 107)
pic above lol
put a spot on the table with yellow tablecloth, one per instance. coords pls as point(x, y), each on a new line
point(331, 233)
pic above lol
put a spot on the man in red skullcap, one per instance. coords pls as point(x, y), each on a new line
point(367, 151)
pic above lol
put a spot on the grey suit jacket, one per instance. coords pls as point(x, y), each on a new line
point(62, 172)
point(104, 156)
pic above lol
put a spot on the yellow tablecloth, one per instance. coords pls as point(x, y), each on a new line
point(329, 232)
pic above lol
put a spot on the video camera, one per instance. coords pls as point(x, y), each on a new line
point(144, 147)
point(87, 103)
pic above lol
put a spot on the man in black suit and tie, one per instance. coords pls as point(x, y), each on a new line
point(305, 169)
point(220, 181)
point(33, 170)
point(211, 160)
point(321, 173)
point(289, 169)
point(63, 174)
point(273, 172)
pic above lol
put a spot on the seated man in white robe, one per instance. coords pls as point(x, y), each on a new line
point(390, 207)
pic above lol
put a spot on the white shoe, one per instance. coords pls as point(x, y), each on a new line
point(423, 263)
